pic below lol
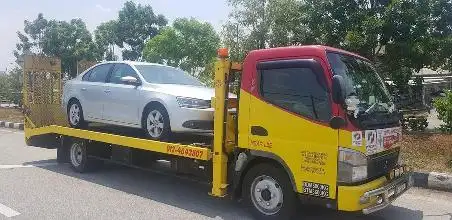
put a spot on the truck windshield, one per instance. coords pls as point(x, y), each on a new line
point(365, 91)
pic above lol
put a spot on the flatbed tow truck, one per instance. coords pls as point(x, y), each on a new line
point(311, 123)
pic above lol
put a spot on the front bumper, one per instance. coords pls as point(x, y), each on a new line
point(372, 196)
point(191, 120)
point(387, 193)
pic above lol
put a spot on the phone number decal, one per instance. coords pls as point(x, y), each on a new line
point(185, 152)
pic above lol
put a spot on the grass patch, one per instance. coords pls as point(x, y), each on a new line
point(427, 152)
point(11, 115)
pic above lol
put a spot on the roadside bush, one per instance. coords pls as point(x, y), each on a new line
point(413, 123)
point(443, 106)
point(11, 86)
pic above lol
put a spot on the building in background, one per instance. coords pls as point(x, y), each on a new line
point(435, 83)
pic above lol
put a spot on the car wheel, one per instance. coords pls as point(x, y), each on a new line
point(75, 114)
point(157, 123)
point(268, 193)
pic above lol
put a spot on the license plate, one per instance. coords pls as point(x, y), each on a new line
point(391, 192)
point(400, 188)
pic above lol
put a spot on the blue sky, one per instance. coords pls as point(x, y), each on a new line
point(93, 12)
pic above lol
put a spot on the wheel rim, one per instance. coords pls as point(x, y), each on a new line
point(74, 114)
point(155, 124)
point(266, 195)
point(76, 154)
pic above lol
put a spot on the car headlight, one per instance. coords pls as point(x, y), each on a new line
point(192, 103)
point(352, 166)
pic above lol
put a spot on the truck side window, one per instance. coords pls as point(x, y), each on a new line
point(296, 89)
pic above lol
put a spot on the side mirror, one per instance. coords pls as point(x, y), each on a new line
point(130, 80)
point(339, 92)
point(337, 122)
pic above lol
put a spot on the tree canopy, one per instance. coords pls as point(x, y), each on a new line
point(135, 25)
point(189, 44)
point(70, 41)
point(105, 35)
point(400, 36)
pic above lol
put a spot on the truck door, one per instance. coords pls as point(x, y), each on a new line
point(289, 118)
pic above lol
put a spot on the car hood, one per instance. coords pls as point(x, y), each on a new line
point(197, 92)
point(189, 91)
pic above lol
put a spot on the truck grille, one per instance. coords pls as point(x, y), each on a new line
point(380, 164)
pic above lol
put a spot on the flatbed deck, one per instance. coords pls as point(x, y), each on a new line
point(194, 151)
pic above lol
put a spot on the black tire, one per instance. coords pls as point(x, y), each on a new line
point(285, 208)
point(78, 157)
point(161, 133)
point(80, 123)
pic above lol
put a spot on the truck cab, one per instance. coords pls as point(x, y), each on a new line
point(324, 117)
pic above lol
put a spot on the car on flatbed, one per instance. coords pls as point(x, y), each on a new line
point(157, 98)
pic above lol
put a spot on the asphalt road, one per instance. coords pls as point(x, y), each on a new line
point(33, 186)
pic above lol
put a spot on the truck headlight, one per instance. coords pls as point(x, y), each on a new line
point(192, 103)
point(352, 166)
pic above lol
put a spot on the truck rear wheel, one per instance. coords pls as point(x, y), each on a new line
point(78, 157)
point(269, 193)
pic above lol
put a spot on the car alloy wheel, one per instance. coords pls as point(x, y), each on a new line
point(74, 114)
point(155, 123)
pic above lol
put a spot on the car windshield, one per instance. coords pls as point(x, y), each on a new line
point(166, 75)
point(364, 88)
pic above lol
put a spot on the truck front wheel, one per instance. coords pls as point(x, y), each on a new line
point(269, 193)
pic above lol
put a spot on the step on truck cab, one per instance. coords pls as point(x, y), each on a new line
point(310, 123)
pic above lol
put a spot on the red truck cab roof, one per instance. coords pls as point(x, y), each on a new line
point(295, 51)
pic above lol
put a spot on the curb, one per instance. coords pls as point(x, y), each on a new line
point(6, 124)
point(432, 180)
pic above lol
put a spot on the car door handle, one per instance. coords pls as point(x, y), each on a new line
point(259, 131)
point(83, 89)
point(107, 91)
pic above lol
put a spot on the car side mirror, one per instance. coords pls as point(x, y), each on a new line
point(130, 80)
point(339, 92)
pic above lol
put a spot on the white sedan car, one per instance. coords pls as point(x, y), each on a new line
point(157, 98)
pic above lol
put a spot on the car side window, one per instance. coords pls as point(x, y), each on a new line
point(296, 89)
point(121, 70)
point(86, 76)
point(99, 73)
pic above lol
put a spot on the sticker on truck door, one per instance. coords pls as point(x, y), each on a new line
point(381, 139)
point(371, 142)
point(357, 138)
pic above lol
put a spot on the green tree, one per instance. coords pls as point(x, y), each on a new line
point(105, 38)
point(135, 25)
point(189, 44)
point(70, 41)
point(256, 24)
point(400, 36)
point(11, 85)
point(31, 39)
point(444, 107)
point(4, 85)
